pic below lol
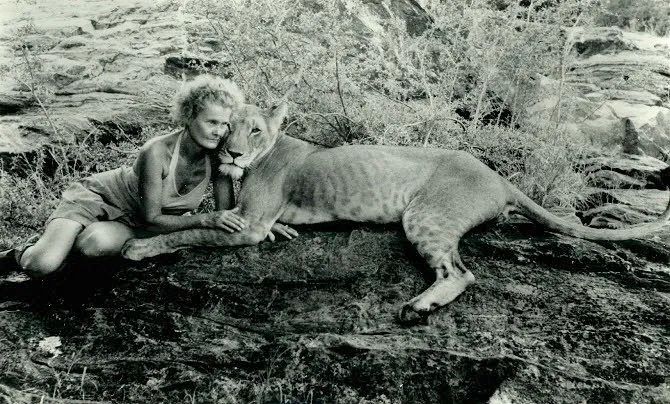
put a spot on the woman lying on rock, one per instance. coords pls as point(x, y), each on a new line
point(97, 215)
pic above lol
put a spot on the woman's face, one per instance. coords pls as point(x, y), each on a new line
point(211, 124)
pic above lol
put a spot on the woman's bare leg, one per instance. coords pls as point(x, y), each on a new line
point(49, 252)
point(104, 239)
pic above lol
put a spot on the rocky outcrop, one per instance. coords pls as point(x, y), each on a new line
point(600, 40)
point(617, 208)
point(617, 91)
point(117, 63)
point(99, 63)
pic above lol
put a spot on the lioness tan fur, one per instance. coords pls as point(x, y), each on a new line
point(438, 195)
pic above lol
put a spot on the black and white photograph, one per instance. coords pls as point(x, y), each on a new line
point(334, 201)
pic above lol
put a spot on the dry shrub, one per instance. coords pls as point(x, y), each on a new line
point(459, 84)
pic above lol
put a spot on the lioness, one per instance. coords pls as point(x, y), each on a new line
point(438, 195)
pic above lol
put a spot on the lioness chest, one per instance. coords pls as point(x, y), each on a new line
point(357, 183)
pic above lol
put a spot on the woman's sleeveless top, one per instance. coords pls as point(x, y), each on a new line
point(120, 188)
point(172, 200)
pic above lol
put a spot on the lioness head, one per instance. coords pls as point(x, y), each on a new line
point(254, 132)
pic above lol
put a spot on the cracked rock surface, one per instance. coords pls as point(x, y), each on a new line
point(550, 319)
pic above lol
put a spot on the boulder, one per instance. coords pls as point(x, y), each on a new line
point(599, 40)
point(648, 125)
point(627, 189)
point(376, 12)
point(625, 171)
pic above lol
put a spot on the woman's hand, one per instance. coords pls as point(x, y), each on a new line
point(282, 229)
point(227, 220)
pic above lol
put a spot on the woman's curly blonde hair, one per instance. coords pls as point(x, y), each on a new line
point(190, 100)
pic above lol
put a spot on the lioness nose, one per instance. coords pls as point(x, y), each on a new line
point(234, 154)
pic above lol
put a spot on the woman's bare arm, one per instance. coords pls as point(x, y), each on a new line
point(150, 166)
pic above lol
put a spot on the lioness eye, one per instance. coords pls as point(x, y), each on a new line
point(255, 130)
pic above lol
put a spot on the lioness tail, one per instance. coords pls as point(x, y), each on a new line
point(533, 211)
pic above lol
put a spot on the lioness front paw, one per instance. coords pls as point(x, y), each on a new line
point(136, 249)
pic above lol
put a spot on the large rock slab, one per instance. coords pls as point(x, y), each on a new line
point(376, 14)
point(551, 319)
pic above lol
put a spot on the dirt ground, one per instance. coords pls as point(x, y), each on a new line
point(313, 320)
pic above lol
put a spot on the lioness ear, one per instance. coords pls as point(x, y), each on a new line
point(278, 115)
